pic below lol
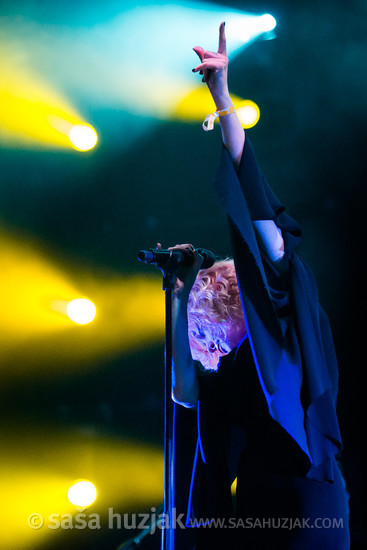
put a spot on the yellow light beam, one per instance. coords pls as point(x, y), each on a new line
point(101, 63)
point(36, 337)
point(34, 115)
point(195, 105)
point(35, 478)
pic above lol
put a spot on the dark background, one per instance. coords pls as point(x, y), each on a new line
point(96, 211)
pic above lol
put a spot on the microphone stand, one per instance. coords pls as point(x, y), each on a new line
point(168, 267)
point(167, 540)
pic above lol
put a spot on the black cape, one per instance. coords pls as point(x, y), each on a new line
point(293, 353)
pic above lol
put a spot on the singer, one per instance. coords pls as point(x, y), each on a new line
point(254, 362)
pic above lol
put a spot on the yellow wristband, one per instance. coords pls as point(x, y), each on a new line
point(208, 123)
point(224, 112)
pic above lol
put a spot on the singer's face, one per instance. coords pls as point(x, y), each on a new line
point(208, 349)
point(215, 318)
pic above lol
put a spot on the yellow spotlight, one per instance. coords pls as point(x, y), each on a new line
point(248, 113)
point(35, 329)
point(81, 311)
point(82, 494)
point(195, 105)
point(34, 115)
point(36, 476)
point(83, 137)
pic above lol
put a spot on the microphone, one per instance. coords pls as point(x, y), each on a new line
point(160, 257)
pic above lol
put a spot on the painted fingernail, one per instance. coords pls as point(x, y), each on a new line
point(193, 70)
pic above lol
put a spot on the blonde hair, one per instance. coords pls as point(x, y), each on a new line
point(214, 309)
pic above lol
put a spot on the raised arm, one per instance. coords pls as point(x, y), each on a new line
point(214, 67)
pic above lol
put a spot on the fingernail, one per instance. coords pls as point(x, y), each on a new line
point(193, 70)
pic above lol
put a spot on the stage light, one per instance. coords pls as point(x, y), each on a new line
point(36, 293)
point(268, 22)
point(196, 105)
point(97, 76)
point(35, 485)
point(248, 113)
point(33, 114)
point(82, 494)
point(83, 137)
point(81, 310)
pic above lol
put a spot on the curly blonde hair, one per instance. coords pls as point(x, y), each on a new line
point(214, 311)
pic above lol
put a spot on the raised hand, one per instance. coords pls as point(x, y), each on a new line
point(186, 275)
point(214, 66)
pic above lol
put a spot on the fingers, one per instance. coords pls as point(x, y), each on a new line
point(199, 51)
point(197, 258)
point(222, 46)
point(182, 247)
point(201, 70)
point(213, 60)
point(215, 63)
